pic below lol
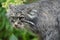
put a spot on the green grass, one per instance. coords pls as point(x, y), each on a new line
point(7, 32)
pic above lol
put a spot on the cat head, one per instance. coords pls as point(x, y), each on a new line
point(21, 15)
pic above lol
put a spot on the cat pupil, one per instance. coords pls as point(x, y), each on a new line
point(13, 21)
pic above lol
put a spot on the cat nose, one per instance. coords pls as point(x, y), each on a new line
point(16, 24)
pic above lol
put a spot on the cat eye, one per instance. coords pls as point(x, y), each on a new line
point(21, 18)
point(13, 21)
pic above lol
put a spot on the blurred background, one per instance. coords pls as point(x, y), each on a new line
point(7, 32)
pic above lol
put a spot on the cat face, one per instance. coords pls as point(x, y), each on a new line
point(20, 16)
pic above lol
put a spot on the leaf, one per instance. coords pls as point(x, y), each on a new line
point(0, 39)
point(35, 39)
point(2, 18)
point(2, 1)
point(13, 37)
point(14, 2)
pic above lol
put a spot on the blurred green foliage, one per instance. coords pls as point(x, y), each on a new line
point(17, 2)
point(7, 32)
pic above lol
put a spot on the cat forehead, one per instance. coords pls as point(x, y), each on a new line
point(16, 8)
point(11, 6)
point(24, 6)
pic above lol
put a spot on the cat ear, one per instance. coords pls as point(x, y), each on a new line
point(12, 7)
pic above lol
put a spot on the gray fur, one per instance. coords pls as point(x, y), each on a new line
point(43, 17)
